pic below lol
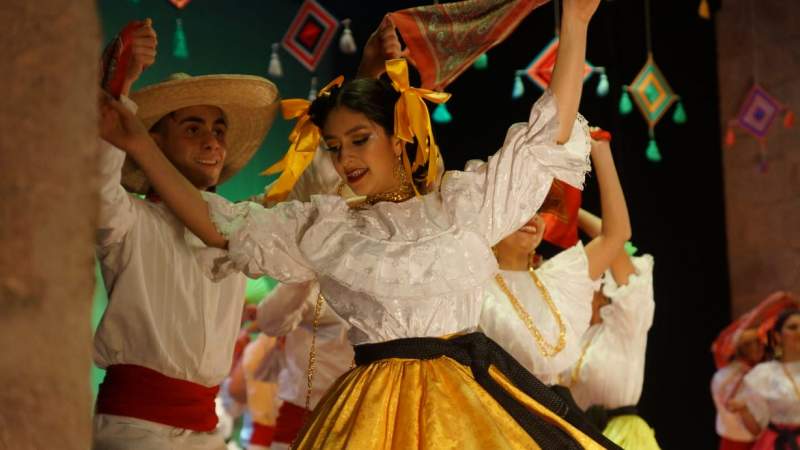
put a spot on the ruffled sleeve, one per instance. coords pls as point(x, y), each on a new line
point(499, 196)
point(756, 383)
point(632, 305)
point(261, 241)
point(566, 278)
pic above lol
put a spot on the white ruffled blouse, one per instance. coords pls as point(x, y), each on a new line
point(726, 384)
point(610, 370)
point(411, 269)
point(770, 395)
point(566, 278)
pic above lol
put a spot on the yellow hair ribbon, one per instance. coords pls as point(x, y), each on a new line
point(304, 140)
point(411, 119)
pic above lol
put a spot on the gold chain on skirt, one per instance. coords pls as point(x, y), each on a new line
point(312, 353)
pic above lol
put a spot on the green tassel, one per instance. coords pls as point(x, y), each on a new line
point(625, 105)
point(519, 88)
point(602, 85)
point(482, 62)
point(652, 152)
point(679, 116)
point(630, 249)
point(441, 114)
point(179, 48)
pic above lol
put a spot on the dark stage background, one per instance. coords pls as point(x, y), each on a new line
point(676, 205)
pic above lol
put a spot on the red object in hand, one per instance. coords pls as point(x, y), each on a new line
point(116, 58)
point(600, 135)
point(560, 214)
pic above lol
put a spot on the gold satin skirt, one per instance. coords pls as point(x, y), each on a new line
point(433, 404)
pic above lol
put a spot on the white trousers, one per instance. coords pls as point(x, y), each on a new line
point(127, 433)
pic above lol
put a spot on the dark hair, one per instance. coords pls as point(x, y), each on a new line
point(376, 99)
point(783, 317)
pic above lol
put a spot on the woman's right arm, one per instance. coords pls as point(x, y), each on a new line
point(608, 242)
point(122, 129)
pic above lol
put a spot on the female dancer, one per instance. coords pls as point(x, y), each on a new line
point(405, 271)
point(770, 400)
point(559, 293)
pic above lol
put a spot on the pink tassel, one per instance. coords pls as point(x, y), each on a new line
point(788, 119)
point(730, 138)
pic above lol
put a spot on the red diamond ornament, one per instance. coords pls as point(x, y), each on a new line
point(540, 70)
point(310, 34)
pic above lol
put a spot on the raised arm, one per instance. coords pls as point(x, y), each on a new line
point(567, 81)
point(621, 267)
point(123, 129)
point(117, 209)
point(382, 45)
point(615, 229)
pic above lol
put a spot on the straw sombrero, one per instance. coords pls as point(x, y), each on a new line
point(248, 102)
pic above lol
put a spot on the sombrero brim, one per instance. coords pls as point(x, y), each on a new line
point(250, 104)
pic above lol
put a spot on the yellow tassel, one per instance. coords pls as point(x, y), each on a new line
point(704, 11)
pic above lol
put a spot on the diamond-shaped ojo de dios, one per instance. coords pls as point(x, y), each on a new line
point(540, 70)
point(651, 92)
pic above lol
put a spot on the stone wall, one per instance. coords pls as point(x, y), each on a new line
point(763, 209)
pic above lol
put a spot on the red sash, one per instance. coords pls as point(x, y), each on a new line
point(136, 391)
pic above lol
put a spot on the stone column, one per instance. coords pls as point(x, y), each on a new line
point(48, 187)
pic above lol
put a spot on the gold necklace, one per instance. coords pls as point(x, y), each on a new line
point(401, 194)
point(791, 378)
point(312, 353)
point(547, 349)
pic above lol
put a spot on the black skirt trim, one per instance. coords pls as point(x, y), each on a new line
point(478, 352)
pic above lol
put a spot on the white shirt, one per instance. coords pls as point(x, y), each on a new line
point(411, 269)
point(610, 372)
point(725, 385)
point(288, 311)
point(163, 313)
point(770, 395)
point(566, 278)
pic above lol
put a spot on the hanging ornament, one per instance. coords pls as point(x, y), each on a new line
point(653, 95)
point(180, 4)
point(179, 48)
point(540, 70)
point(519, 88)
point(730, 137)
point(275, 67)
point(312, 90)
point(652, 152)
point(679, 114)
point(788, 119)
point(625, 104)
point(482, 62)
point(757, 114)
point(310, 34)
point(602, 84)
point(347, 44)
point(703, 10)
point(441, 114)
